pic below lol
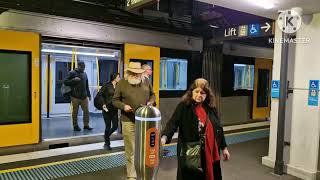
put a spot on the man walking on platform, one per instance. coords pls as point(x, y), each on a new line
point(130, 94)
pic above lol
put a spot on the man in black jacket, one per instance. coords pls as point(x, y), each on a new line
point(80, 95)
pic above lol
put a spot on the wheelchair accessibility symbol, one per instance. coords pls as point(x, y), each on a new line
point(313, 85)
point(254, 29)
point(275, 85)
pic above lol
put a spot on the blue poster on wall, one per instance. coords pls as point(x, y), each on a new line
point(275, 89)
point(313, 94)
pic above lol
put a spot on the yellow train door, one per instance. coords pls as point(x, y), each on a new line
point(261, 94)
point(146, 55)
point(19, 88)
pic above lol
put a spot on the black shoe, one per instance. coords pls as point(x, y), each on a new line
point(107, 146)
point(76, 128)
point(87, 128)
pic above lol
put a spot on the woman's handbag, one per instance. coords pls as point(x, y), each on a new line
point(190, 153)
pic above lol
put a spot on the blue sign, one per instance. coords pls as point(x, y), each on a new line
point(313, 95)
point(275, 89)
point(254, 29)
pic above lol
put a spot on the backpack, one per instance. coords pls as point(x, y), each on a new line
point(98, 101)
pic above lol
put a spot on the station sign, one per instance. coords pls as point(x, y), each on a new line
point(137, 4)
point(246, 31)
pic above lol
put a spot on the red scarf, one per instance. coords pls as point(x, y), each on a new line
point(211, 148)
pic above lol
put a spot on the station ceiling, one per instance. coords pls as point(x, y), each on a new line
point(258, 7)
point(189, 17)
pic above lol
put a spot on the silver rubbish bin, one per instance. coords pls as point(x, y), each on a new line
point(147, 145)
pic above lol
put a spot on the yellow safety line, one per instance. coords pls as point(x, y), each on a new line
point(94, 86)
point(171, 144)
point(96, 156)
point(246, 132)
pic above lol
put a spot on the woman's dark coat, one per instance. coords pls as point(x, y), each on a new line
point(107, 91)
point(185, 118)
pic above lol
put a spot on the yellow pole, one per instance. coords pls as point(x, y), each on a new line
point(47, 85)
point(75, 57)
point(98, 74)
point(72, 60)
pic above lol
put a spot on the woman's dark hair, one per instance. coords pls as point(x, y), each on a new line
point(113, 76)
point(204, 85)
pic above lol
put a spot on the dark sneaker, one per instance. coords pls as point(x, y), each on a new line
point(87, 128)
point(76, 128)
point(107, 147)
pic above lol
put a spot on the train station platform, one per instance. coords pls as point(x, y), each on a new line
point(93, 162)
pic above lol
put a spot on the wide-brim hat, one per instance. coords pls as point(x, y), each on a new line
point(135, 67)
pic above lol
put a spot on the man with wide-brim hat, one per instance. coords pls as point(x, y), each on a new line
point(131, 93)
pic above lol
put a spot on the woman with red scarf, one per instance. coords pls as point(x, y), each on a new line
point(197, 112)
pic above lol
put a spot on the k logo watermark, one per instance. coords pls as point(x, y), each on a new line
point(289, 21)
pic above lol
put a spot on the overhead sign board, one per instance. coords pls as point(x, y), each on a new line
point(136, 4)
point(245, 31)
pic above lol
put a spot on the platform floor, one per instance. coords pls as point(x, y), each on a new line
point(245, 164)
point(61, 127)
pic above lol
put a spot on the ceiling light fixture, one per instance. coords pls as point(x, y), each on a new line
point(214, 26)
point(266, 4)
point(78, 53)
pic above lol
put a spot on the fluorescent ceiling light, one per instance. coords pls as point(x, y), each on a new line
point(240, 65)
point(213, 26)
point(266, 4)
point(78, 53)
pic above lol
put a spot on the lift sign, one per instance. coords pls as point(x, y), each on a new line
point(152, 147)
point(313, 93)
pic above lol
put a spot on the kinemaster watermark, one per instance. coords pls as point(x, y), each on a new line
point(289, 22)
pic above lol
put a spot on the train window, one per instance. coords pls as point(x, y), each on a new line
point(173, 74)
point(147, 62)
point(243, 77)
point(106, 68)
point(263, 84)
point(15, 87)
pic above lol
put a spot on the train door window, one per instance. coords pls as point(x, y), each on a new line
point(148, 62)
point(62, 70)
point(15, 87)
point(173, 74)
point(263, 88)
point(106, 68)
point(243, 77)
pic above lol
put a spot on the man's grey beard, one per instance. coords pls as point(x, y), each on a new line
point(134, 81)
